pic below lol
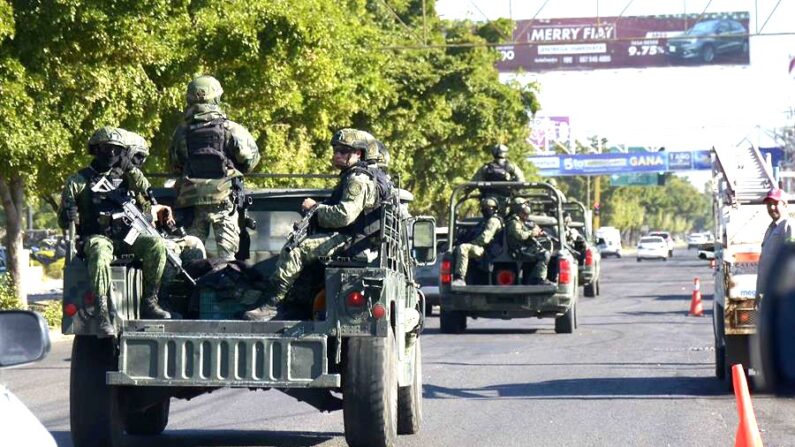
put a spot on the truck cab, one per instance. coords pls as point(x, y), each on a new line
point(589, 260)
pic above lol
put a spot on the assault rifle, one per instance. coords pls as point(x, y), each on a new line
point(301, 229)
point(139, 225)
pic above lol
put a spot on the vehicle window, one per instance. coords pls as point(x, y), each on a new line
point(737, 26)
point(273, 227)
point(651, 240)
point(723, 27)
point(702, 27)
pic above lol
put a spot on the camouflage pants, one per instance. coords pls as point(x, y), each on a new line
point(291, 262)
point(188, 248)
point(223, 219)
point(463, 253)
point(99, 253)
point(539, 256)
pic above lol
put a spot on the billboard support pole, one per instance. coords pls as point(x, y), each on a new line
point(597, 199)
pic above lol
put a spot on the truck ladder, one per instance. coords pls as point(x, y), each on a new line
point(747, 177)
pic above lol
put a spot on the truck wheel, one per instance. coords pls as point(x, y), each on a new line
point(598, 288)
point(720, 362)
point(95, 415)
point(428, 309)
point(410, 398)
point(590, 290)
point(452, 322)
point(736, 351)
point(370, 391)
point(566, 323)
point(149, 422)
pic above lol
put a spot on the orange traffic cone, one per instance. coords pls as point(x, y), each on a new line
point(747, 430)
point(696, 308)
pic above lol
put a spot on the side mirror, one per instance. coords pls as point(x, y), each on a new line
point(423, 240)
point(24, 337)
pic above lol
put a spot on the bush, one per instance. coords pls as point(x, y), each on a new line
point(8, 293)
point(55, 270)
point(51, 311)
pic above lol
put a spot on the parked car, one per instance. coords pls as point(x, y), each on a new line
point(706, 251)
point(696, 239)
point(428, 275)
point(709, 38)
point(24, 338)
point(608, 241)
point(652, 247)
point(669, 241)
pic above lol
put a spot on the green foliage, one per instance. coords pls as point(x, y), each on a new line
point(8, 294)
point(52, 313)
point(293, 72)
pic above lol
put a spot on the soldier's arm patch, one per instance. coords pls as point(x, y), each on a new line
point(354, 189)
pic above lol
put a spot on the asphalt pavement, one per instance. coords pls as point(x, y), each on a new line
point(638, 372)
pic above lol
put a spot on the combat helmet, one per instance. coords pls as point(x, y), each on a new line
point(489, 202)
point(137, 147)
point(520, 205)
point(107, 135)
point(383, 156)
point(204, 90)
point(499, 151)
point(355, 139)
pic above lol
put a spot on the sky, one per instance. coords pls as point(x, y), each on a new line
point(688, 108)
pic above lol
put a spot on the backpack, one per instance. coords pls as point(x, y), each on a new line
point(206, 156)
point(495, 172)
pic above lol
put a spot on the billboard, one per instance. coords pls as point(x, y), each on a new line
point(548, 130)
point(628, 42)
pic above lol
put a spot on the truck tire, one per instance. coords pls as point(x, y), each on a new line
point(410, 398)
point(590, 290)
point(95, 415)
point(452, 321)
point(566, 323)
point(370, 392)
point(737, 351)
point(149, 422)
point(428, 309)
point(720, 344)
point(598, 287)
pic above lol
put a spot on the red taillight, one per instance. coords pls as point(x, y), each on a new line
point(588, 256)
point(379, 311)
point(564, 271)
point(70, 310)
point(356, 299)
point(89, 298)
point(505, 278)
point(445, 275)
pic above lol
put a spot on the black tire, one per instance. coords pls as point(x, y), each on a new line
point(370, 391)
point(720, 362)
point(670, 253)
point(708, 53)
point(665, 259)
point(149, 422)
point(590, 289)
point(618, 255)
point(428, 309)
point(410, 398)
point(452, 322)
point(95, 415)
point(737, 351)
point(566, 323)
point(638, 259)
point(598, 287)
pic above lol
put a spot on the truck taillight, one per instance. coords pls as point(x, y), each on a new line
point(356, 299)
point(564, 271)
point(70, 310)
point(588, 257)
point(505, 278)
point(445, 275)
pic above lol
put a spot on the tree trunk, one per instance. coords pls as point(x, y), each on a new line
point(12, 196)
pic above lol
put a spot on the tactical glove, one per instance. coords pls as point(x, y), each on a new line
point(72, 215)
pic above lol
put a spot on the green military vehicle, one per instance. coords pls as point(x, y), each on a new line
point(497, 285)
point(588, 258)
point(360, 336)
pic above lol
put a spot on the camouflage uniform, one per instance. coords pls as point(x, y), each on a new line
point(188, 248)
point(94, 227)
point(211, 199)
point(499, 169)
point(477, 247)
point(339, 220)
point(523, 246)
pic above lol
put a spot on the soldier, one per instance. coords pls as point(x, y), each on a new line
point(339, 220)
point(499, 169)
point(779, 232)
point(522, 234)
point(481, 237)
point(87, 202)
point(211, 153)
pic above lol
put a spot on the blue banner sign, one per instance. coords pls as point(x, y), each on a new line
point(629, 163)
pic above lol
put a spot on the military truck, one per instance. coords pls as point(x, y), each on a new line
point(589, 261)
point(497, 285)
point(361, 338)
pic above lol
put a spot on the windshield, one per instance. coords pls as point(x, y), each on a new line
point(702, 28)
point(273, 227)
point(651, 240)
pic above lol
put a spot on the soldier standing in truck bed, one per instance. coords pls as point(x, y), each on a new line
point(211, 153)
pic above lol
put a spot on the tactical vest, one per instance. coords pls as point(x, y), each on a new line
point(207, 158)
point(495, 172)
point(478, 229)
point(97, 205)
point(368, 222)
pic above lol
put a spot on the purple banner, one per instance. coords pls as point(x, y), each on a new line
point(628, 42)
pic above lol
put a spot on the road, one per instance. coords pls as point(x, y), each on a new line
point(637, 372)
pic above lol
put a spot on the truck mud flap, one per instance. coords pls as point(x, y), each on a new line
point(155, 358)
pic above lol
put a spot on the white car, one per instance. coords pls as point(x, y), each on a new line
point(694, 240)
point(669, 241)
point(652, 247)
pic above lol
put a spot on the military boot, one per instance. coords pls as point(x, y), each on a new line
point(151, 310)
point(265, 312)
point(102, 315)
